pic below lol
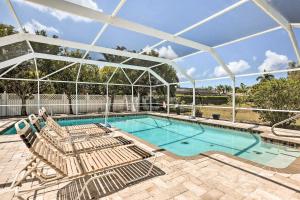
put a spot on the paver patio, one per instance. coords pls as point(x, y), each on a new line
point(213, 177)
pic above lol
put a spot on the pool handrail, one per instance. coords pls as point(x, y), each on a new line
point(282, 122)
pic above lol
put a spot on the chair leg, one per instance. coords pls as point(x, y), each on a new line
point(28, 169)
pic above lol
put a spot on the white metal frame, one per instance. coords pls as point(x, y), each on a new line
point(113, 20)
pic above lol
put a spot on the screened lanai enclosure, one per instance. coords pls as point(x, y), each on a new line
point(109, 56)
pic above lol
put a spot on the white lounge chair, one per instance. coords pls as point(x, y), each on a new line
point(68, 167)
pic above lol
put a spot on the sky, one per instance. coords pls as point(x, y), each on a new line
point(271, 51)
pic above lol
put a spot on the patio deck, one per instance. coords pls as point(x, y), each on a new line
point(213, 177)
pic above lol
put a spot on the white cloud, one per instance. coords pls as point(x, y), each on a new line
point(235, 66)
point(273, 61)
point(64, 15)
point(205, 73)
point(191, 71)
point(166, 52)
point(34, 25)
point(254, 58)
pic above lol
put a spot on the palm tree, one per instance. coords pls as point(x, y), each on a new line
point(265, 77)
point(294, 74)
point(227, 88)
point(220, 89)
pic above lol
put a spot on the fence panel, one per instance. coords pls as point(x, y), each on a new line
point(59, 103)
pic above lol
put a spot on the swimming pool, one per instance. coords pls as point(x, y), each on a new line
point(190, 139)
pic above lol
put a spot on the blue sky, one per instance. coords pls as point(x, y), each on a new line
point(271, 51)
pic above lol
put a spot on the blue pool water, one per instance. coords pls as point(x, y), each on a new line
point(190, 139)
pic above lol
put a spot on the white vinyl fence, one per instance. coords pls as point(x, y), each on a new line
point(10, 104)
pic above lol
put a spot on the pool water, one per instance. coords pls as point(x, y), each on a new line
point(190, 139)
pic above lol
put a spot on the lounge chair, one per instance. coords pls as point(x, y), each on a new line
point(69, 147)
point(73, 128)
point(64, 132)
point(68, 167)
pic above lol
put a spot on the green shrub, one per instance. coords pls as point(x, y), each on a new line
point(279, 94)
point(216, 100)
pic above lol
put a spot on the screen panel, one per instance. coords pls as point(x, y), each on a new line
point(163, 15)
point(240, 22)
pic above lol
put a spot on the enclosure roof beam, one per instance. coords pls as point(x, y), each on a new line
point(19, 37)
point(233, 41)
point(73, 82)
point(11, 68)
point(281, 20)
point(103, 28)
point(157, 76)
point(296, 25)
point(56, 71)
point(16, 60)
point(22, 31)
point(139, 77)
point(183, 72)
point(11, 39)
point(273, 13)
point(119, 22)
point(215, 15)
point(77, 45)
point(85, 61)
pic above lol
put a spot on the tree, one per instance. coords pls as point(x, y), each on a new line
point(294, 74)
point(69, 74)
point(88, 73)
point(220, 89)
point(167, 72)
point(6, 30)
point(25, 89)
point(265, 77)
point(278, 94)
point(227, 88)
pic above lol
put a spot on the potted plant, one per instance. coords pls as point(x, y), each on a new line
point(198, 113)
point(216, 116)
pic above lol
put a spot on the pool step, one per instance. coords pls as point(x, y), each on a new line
point(280, 161)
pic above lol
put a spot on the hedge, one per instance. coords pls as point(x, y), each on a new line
point(216, 100)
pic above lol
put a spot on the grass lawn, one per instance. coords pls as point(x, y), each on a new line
point(246, 116)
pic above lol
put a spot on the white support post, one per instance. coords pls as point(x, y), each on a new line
point(233, 100)
point(294, 42)
point(38, 80)
point(38, 96)
point(194, 100)
point(150, 94)
point(168, 99)
point(132, 101)
point(76, 98)
point(106, 106)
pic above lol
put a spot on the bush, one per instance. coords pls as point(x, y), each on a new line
point(279, 94)
point(216, 100)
